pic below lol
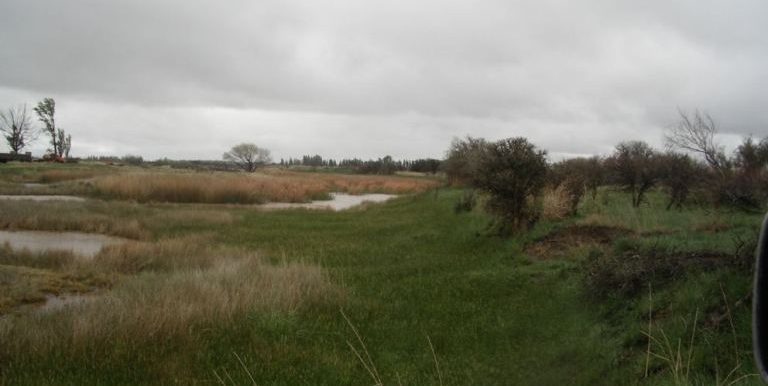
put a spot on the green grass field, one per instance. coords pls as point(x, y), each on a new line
point(435, 300)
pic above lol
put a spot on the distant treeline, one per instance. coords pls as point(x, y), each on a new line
point(137, 160)
point(385, 165)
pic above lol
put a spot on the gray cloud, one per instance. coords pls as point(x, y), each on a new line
point(368, 78)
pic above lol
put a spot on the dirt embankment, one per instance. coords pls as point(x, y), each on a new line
point(559, 242)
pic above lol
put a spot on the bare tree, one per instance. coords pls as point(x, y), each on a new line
point(696, 133)
point(16, 128)
point(634, 166)
point(247, 156)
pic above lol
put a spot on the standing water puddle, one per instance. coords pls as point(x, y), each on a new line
point(31, 197)
point(338, 201)
point(59, 302)
point(82, 244)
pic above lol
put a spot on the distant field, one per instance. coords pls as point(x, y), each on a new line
point(217, 294)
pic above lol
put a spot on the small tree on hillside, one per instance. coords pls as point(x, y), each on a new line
point(679, 174)
point(748, 185)
point(752, 156)
point(16, 128)
point(633, 166)
point(248, 156)
point(462, 162)
point(594, 175)
point(513, 172)
point(61, 143)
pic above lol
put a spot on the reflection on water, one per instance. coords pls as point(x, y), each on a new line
point(83, 244)
point(338, 201)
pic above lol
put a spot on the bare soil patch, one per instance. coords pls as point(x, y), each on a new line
point(560, 241)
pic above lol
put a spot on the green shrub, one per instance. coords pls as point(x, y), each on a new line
point(513, 172)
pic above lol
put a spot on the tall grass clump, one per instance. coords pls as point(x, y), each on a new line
point(172, 291)
point(556, 203)
point(170, 307)
point(165, 255)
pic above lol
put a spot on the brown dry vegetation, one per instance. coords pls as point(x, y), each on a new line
point(249, 189)
point(555, 203)
point(358, 184)
point(561, 242)
point(206, 188)
point(161, 290)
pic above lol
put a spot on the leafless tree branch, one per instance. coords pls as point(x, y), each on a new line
point(16, 128)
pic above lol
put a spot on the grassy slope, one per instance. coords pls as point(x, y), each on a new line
point(412, 268)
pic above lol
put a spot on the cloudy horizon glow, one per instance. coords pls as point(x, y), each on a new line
point(343, 79)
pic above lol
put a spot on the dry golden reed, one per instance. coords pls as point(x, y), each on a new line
point(249, 189)
point(555, 203)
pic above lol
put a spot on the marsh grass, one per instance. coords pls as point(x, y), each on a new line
point(165, 255)
point(166, 291)
point(50, 259)
point(89, 217)
point(60, 175)
point(248, 189)
point(401, 269)
point(190, 188)
point(195, 215)
point(115, 218)
point(20, 285)
point(155, 306)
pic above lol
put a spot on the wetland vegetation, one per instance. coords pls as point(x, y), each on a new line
point(407, 291)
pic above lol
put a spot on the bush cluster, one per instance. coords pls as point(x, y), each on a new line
point(512, 172)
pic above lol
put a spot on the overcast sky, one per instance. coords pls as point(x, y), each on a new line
point(189, 79)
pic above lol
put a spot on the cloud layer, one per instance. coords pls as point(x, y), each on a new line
point(188, 79)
